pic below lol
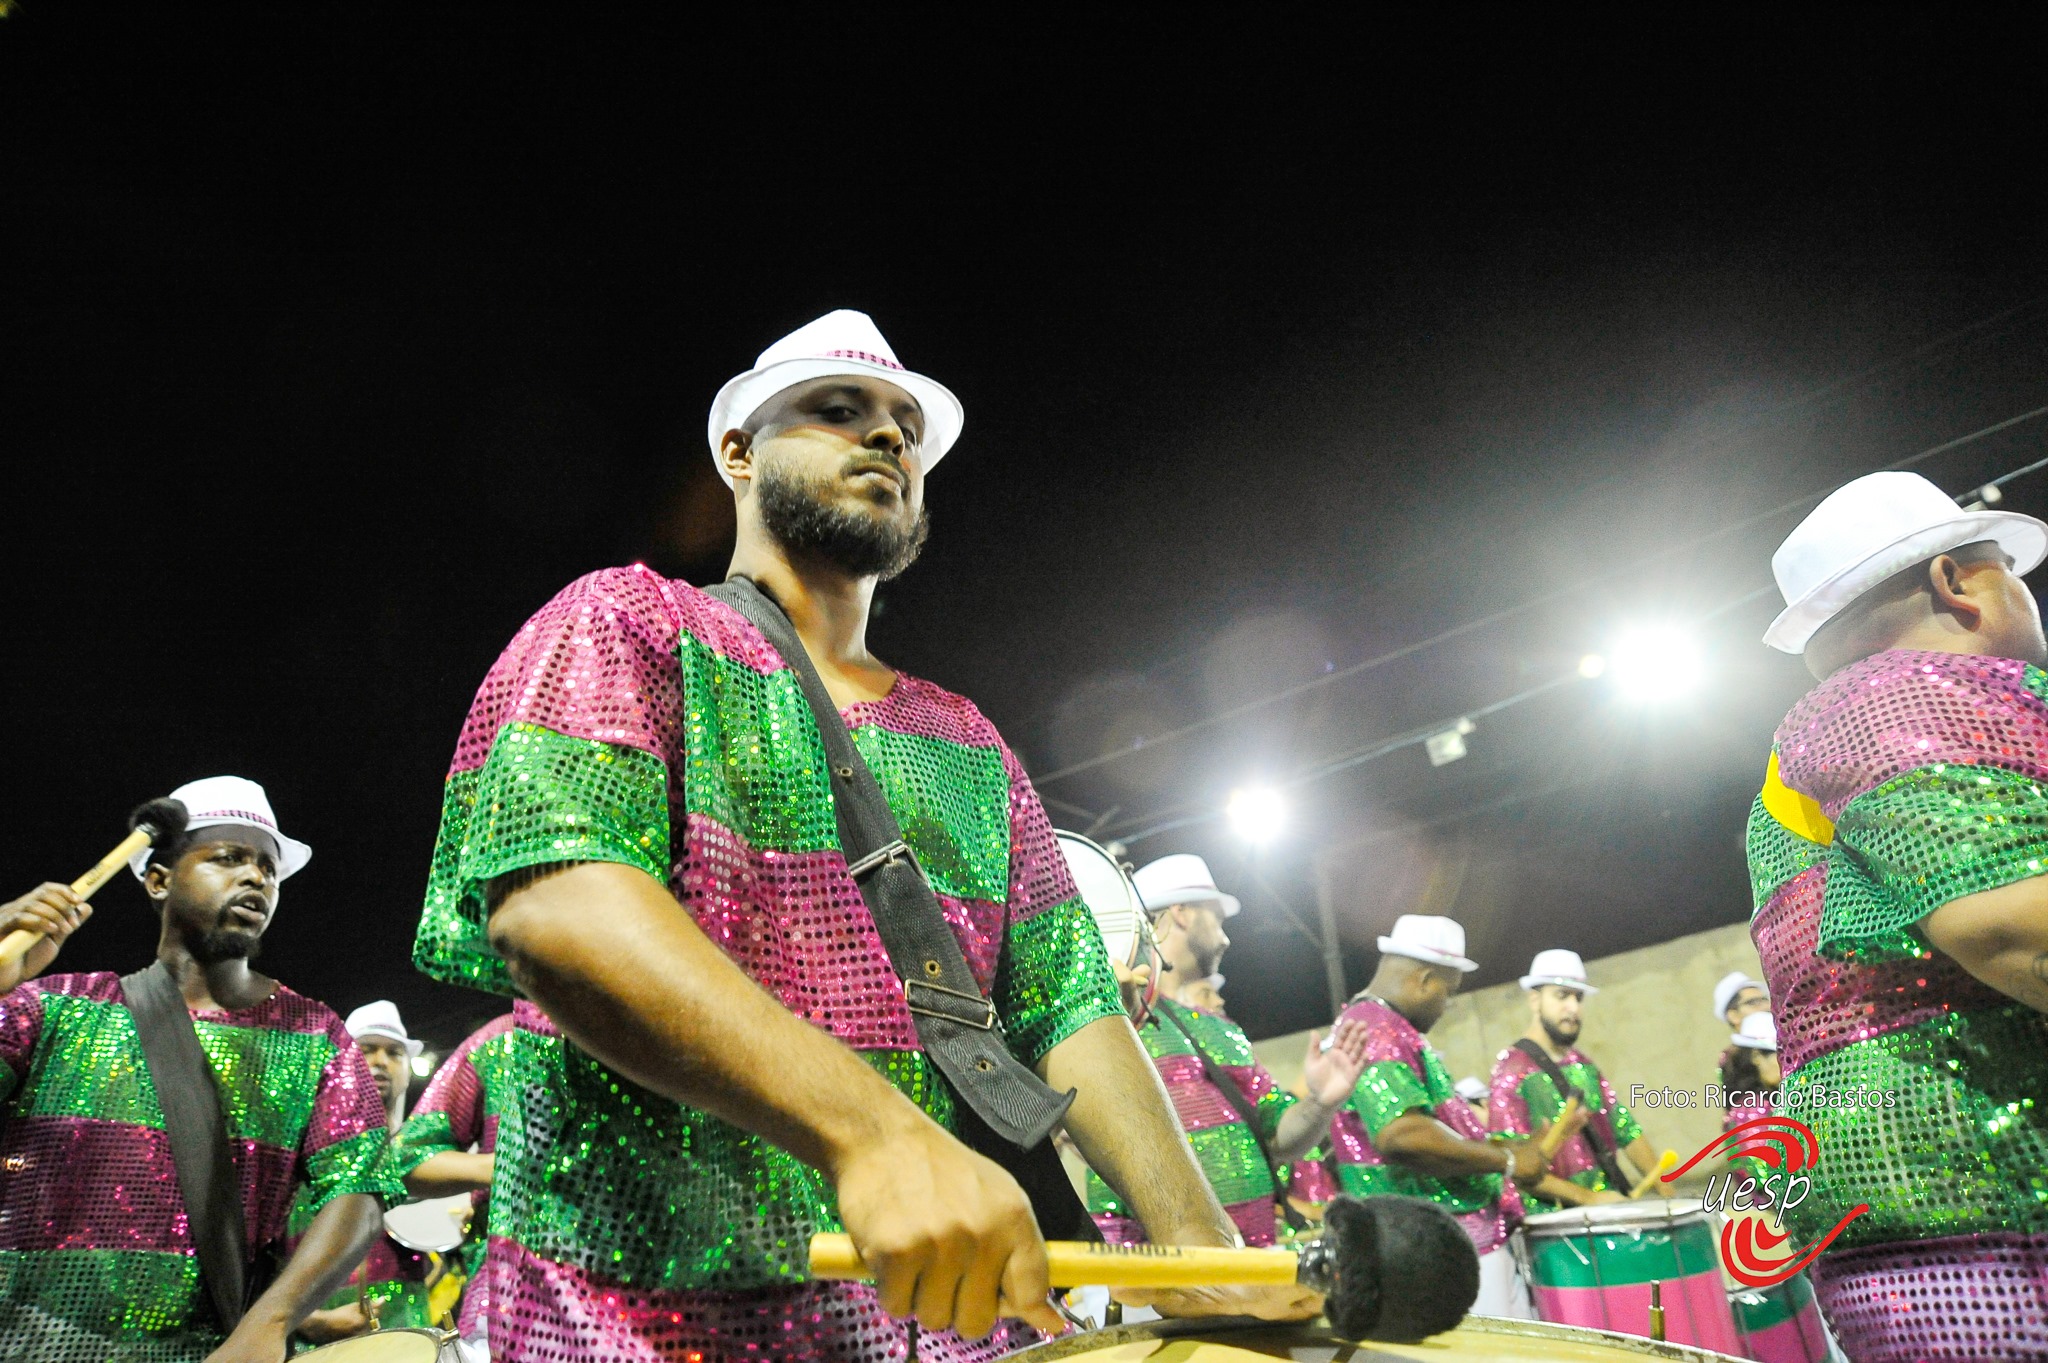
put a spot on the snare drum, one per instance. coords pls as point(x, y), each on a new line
point(390, 1346)
point(1114, 903)
point(1481, 1339)
point(1780, 1323)
point(1594, 1266)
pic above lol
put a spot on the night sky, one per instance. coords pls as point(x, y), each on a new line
point(331, 347)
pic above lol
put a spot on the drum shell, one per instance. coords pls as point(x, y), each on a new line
point(1780, 1323)
point(1480, 1339)
point(1593, 1267)
point(389, 1346)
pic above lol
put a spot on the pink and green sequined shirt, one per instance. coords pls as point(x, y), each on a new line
point(1523, 1098)
point(637, 720)
point(1228, 1151)
point(96, 1258)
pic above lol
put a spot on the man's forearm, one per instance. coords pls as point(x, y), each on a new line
point(1124, 1125)
point(450, 1172)
point(1301, 1126)
point(2000, 936)
point(630, 978)
point(1642, 1155)
point(1428, 1147)
point(337, 1240)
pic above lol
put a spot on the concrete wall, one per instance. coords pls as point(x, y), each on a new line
point(1650, 1024)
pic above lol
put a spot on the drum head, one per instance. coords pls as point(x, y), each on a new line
point(1481, 1339)
point(434, 1225)
point(1641, 1214)
point(1113, 901)
point(382, 1346)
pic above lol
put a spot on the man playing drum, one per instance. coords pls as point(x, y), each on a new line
point(1241, 1124)
point(1897, 854)
point(1526, 1096)
point(97, 1253)
point(1406, 1130)
point(639, 835)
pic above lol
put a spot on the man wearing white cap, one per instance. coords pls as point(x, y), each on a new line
point(1407, 1131)
point(1896, 855)
point(90, 1151)
point(1243, 1127)
point(1533, 1078)
point(388, 1289)
point(641, 833)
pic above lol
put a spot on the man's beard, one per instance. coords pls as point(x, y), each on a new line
point(1557, 1032)
point(802, 516)
point(227, 944)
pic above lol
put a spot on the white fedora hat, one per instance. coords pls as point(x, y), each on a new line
point(1733, 983)
point(1560, 967)
point(381, 1019)
point(839, 343)
point(1182, 878)
point(231, 799)
point(1473, 1090)
point(1429, 939)
point(1759, 1033)
point(1870, 529)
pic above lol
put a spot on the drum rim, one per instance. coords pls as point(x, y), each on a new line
point(447, 1200)
point(1137, 901)
point(1642, 1214)
point(1318, 1331)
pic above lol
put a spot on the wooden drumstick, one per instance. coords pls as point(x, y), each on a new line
point(152, 823)
point(1555, 1136)
point(1077, 1261)
point(1666, 1161)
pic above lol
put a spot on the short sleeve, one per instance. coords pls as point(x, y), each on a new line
point(1055, 977)
point(1919, 840)
point(448, 1117)
point(1269, 1100)
point(344, 1150)
point(564, 757)
point(21, 1026)
point(1388, 1089)
point(1626, 1128)
point(1507, 1106)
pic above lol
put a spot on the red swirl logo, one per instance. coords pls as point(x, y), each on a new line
point(1748, 1244)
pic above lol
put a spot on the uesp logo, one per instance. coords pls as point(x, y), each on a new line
point(1788, 1147)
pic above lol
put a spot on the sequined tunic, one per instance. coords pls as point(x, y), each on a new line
point(1228, 1151)
point(637, 720)
point(1523, 1098)
point(96, 1258)
point(1927, 770)
point(1403, 1072)
point(474, 1092)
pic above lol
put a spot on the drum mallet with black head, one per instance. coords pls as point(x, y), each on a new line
point(159, 821)
point(1392, 1269)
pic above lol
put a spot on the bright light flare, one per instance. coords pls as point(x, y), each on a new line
point(1592, 665)
point(1654, 663)
point(1258, 813)
point(423, 1064)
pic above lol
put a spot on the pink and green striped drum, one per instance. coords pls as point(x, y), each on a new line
point(1593, 1266)
point(1780, 1323)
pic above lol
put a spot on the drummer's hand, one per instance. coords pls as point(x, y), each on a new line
point(949, 1235)
point(1132, 982)
point(1530, 1166)
point(49, 909)
point(1600, 1195)
point(1286, 1301)
point(324, 1327)
point(253, 1342)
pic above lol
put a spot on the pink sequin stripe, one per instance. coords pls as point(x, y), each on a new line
point(389, 1261)
point(1256, 1221)
point(456, 1090)
point(544, 1312)
point(1488, 1227)
point(818, 953)
point(21, 1022)
point(130, 1200)
point(347, 1104)
point(598, 661)
point(922, 710)
point(1824, 1005)
point(1039, 875)
point(1309, 1180)
point(1508, 1111)
point(1967, 1298)
point(1199, 1103)
point(1898, 711)
point(1348, 1142)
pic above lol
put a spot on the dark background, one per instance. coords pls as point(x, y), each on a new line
point(331, 347)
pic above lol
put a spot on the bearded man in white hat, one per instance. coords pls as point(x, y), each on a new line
point(1533, 1078)
point(90, 1151)
point(1244, 1128)
point(1406, 1130)
point(641, 834)
point(1896, 854)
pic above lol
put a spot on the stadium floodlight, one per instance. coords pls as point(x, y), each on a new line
point(1655, 663)
point(1258, 813)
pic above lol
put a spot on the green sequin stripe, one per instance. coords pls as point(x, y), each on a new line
point(1054, 979)
point(401, 1305)
point(424, 1135)
point(85, 1299)
point(357, 1164)
point(1230, 1160)
point(87, 1063)
point(1475, 1192)
point(1964, 1150)
point(1920, 840)
point(540, 797)
point(753, 761)
point(1387, 1089)
point(1776, 854)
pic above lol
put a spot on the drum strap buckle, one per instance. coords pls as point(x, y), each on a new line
point(971, 1010)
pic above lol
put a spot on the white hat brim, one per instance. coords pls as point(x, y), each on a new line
point(1750, 1043)
point(1562, 981)
point(2023, 537)
point(744, 394)
point(292, 855)
point(412, 1047)
point(1427, 955)
point(1225, 904)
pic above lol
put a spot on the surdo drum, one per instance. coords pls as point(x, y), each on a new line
point(1481, 1339)
point(1593, 1266)
point(1113, 901)
point(390, 1346)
